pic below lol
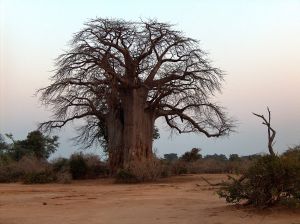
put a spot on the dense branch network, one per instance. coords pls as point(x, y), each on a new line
point(108, 58)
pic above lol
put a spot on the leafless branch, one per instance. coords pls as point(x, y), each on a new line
point(108, 58)
point(271, 131)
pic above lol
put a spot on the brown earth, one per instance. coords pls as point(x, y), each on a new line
point(185, 199)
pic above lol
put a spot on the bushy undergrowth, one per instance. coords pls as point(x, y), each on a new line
point(9, 173)
point(142, 171)
point(60, 165)
point(265, 175)
point(152, 170)
point(208, 165)
point(126, 176)
point(268, 181)
point(20, 170)
point(96, 168)
point(30, 169)
point(78, 166)
point(87, 166)
point(41, 177)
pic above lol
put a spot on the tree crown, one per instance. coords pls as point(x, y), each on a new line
point(109, 58)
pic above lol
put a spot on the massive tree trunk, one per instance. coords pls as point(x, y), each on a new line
point(130, 130)
point(138, 126)
point(115, 127)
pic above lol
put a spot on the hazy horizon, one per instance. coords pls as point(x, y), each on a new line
point(256, 43)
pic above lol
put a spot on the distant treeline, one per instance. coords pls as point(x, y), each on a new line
point(195, 155)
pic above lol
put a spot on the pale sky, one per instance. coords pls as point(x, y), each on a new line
point(257, 44)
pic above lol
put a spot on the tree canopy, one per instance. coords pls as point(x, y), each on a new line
point(123, 75)
point(36, 144)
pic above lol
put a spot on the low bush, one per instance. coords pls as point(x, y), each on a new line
point(30, 164)
point(209, 166)
point(95, 167)
point(125, 176)
point(63, 177)
point(5, 159)
point(41, 177)
point(142, 171)
point(238, 167)
point(9, 173)
point(271, 179)
point(166, 169)
point(78, 166)
point(60, 165)
point(30, 169)
point(17, 170)
point(86, 166)
point(179, 167)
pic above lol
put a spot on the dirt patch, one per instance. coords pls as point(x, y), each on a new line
point(184, 199)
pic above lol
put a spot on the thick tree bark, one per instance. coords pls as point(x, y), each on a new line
point(115, 127)
point(130, 130)
point(138, 127)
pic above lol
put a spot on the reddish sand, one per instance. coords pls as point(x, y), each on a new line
point(185, 199)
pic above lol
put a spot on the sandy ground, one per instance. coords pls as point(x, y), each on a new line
point(185, 199)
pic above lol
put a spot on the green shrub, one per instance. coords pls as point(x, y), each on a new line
point(5, 160)
point(192, 155)
point(271, 179)
point(217, 157)
point(78, 166)
point(42, 177)
point(36, 144)
point(291, 162)
point(170, 157)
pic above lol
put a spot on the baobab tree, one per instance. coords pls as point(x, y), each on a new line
point(120, 76)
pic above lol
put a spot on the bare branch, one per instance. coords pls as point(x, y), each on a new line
point(110, 60)
point(271, 131)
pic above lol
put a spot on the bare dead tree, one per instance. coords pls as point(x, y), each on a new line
point(271, 131)
point(120, 76)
